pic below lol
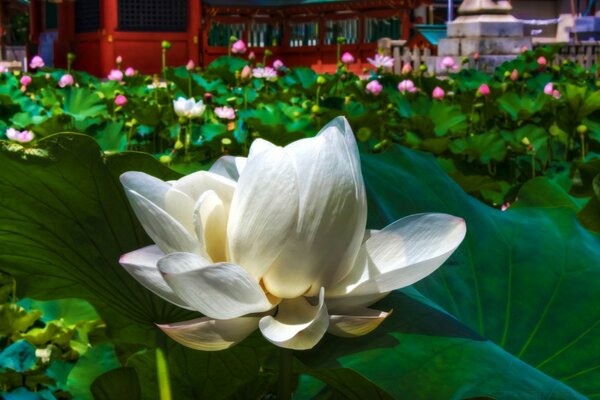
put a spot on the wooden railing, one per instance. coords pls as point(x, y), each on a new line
point(402, 54)
point(584, 53)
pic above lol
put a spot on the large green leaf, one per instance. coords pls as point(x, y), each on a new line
point(64, 223)
point(527, 279)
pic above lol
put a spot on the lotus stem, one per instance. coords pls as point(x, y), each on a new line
point(162, 371)
point(189, 84)
point(286, 359)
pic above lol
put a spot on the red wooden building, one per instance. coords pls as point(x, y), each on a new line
point(299, 32)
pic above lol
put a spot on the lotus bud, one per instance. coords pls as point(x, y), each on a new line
point(514, 75)
point(115, 75)
point(407, 86)
point(36, 62)
point(71, 57)
point(178, 145)
point(251, 56)
point(548, 89)
point(120, 100)
point(484, 90)
point(438, 93)
point(321, 80)
point(238, 47)
point(207, 97)
point(542, 61)
point(556, 94)
point(25, 80)
point(165, 159)
point(407, 69)
point(119, 60)
point(66, 80)
point(347, 58)
point(278, 64)
point(341, 40)
point(448, 62)
point(582, 129)
point(129, 72)
point(165, 45)
point(246, 73)
point(190, 65)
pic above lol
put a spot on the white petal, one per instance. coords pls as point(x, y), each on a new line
point(332, 214)
point(210, 223)
point(210, 334)
point(229, 167)
point(148, 186)
point(263, 211)
point(298, 324)
point(357, 322)
point(403, 253)
point(164, 230)
point(181, 207)
point(142, 265)
point(258, 146)
point(221, 291)
point(196, 184)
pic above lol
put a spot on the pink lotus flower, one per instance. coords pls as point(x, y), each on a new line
point(251, 56)
point(278, 64)
point(190, 65)
point(239, 47)
point(542, 61)
point(19, 136)
point(347, 58)
point(514, 75)
point(3, 69)
point(438, 93)
point(120, 100)
point(36, 62)
point(448, 62)
point(524, 49)
point(25, 80)
point(381, 61)
point(115, 75)
point(119, 60)
point(225, 112)
point(548, 88)
point(374, 87)
point(266, 73)
point(407, 86)
point(484, 90)
point(66, 80)
point(207, 97)
point(556, 94)
point(505, 206)
point(129, 72)
point(246, 73)
point(407, 69)
point(476, 56)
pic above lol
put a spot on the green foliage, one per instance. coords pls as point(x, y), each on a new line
point(484, 325)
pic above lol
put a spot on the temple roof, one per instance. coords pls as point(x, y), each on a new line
point(267, 3)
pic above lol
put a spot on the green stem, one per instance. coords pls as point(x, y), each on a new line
point(286, 359)
point(189, 84)
point(533, 165)
point(582, 136)
point(246, 97)
point(162, 371)
point(188, 139)
point(129, 137)
point(317, 97)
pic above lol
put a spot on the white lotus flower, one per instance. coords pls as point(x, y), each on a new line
point(278, 242)
point(188, 108)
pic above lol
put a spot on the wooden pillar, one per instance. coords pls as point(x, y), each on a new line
point(35, 27)
point(66, 33)
point(194, 23)
point(109, 23)
point(406, 24)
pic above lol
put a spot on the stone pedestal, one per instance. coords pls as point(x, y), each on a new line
point(484, 27)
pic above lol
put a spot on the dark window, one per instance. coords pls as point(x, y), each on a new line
point(153, 15)
point(87, 16)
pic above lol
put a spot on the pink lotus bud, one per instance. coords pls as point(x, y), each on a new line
point(407, 69)
point(524, 49)
point(484, 90)
point(25, 80)
point(438, 93)
point(239, 47)
point(120, 100)
point(505, 206)
point(47, 76)
point(246, 72)
point(66, 80)
point(374, 87)
point(26, 136)
point(548, 88)
point(190, 65)
point(251, 56)
point(129, 72)
point(207, 97)
point(448, 62)
point(36, 62)
point(115, 75)
point(3, 69)
point(542, 61)
point(278, 64)
point(347, 58)
point(514, 75)
point(556, 94)
point(19, 136)
point(476, 56)
point(119, 60)
point(407, 86)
